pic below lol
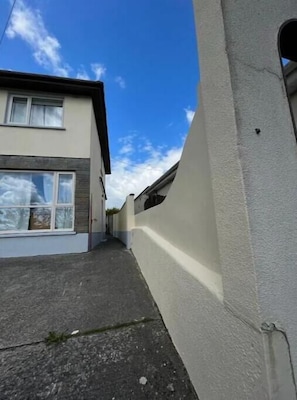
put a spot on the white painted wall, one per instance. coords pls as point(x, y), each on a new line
point(223, 355)
point(221, 264)
point(268, 160)
point(37, 244)
point(186, 217)
point(74, 141)
point(124, 221)
point(96, 191)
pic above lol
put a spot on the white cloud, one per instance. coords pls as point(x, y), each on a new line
point(127, 149)
point(132, 176)
point(82, 74)
point(27, 24)
point(121, 82)
point(99, 70)
point(189, 114)
point(127, 144)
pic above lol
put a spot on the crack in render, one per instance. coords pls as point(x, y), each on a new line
point(261, 70)
point(89, 332)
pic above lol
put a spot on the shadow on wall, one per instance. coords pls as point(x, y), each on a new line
point(122, 223)
point(228, 223)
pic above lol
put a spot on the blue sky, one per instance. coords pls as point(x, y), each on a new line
point(145, 53)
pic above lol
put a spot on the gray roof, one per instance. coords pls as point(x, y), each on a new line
point(162, 181)
point(54, 84)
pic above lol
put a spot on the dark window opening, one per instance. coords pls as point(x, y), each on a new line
point(287, 43)
point(288, 55)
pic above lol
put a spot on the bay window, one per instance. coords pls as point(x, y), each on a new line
point(35, 200)
point(35, 111)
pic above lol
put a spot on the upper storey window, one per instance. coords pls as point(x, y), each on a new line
point(35, 111)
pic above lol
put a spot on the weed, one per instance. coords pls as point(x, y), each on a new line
point(54, 338)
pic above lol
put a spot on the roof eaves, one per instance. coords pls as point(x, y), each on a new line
point(53, 84)
point(164, 179)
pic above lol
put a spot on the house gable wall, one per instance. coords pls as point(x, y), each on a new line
point(96, 190)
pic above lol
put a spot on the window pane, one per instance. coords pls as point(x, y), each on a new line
point(42, 188)
point(15, 188)
point(25, 188)
point(46, 112)
point(40, 218)
point(53, 116)
point(64, 218)
point(18, 110)
point(14, 219)
point(65, 189)
point(37, 115)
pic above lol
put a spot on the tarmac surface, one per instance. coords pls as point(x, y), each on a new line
point(120, 348)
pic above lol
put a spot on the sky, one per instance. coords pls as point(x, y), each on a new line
point(144, 51)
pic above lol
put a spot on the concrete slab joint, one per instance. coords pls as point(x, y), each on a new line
point(84, 326)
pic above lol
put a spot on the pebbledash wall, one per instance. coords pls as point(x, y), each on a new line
point(221, 263)
point(73, 148)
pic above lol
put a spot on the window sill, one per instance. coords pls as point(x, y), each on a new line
point(54, 128)
point(36, 233)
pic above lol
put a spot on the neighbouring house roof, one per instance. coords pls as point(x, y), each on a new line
point(161, 182)
point(141, 193)
point(54, 84)
point(164, 179)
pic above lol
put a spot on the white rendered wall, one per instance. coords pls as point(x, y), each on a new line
point(124, 221)
point(36, 244)
point(216, 347)
point(186, 217)
point(74, 141)
point(268, 160)
point(222, 264)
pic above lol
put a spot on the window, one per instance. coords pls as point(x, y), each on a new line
point(31, 201)
point(35, 111)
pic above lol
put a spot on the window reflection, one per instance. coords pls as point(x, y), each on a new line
point(27, 201)
point(65, 189)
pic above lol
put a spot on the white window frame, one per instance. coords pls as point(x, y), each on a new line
point(52, 206)
point(28, 111)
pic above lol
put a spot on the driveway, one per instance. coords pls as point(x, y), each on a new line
point(121, 350)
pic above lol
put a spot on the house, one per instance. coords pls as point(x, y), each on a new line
point(157, 192)
point(54, 155)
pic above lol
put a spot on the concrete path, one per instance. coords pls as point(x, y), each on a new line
point(122, 350)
